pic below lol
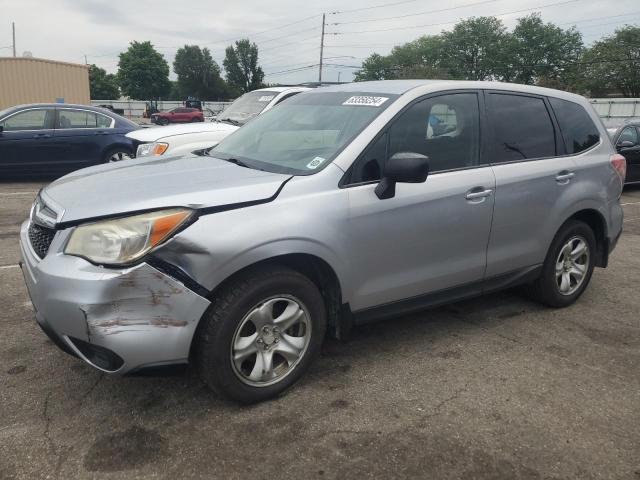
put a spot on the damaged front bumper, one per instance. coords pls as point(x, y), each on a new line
point(117, 320)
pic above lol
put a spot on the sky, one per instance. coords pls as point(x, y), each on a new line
point(287, 32)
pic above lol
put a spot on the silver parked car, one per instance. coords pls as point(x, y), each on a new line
point(344, 205)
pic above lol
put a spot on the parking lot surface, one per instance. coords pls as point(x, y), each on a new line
point(496, 387)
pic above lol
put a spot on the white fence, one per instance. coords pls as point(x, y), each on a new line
point(613, 111)
point(134, 108)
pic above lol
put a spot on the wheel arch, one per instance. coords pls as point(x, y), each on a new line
point(596, 221)
point(116, 145)
point(318, 270)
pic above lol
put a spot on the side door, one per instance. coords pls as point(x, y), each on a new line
point(628, 145)
point(532, 179)
point(79, 138)
point(181, 115)
point(26, 142)
point(430, 237)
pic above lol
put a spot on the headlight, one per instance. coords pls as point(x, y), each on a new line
point(125, 240)
point(149, 149)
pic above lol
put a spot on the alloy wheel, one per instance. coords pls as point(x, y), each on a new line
point(270, 341)
point(572, 265)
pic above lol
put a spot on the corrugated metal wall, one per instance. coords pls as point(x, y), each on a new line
point(616, 111)
point(34, 80)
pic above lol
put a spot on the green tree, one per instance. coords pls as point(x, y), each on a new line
point(376, 67)
point(102, 85)
point(543, 52)
point(474, 49)
point(198, 73)
point(418, 59)
point(143, 73)
point(612, 65)
point(241, 66)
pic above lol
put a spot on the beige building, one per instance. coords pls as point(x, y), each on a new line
point(34, 80)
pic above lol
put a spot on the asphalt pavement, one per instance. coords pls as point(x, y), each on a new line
point(497, 387)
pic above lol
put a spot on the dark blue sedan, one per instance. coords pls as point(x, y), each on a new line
point(50, 140)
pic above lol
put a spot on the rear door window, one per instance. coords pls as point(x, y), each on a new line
point(522, 128)
point(76, 119)
point(578, 130)
point(104, 121)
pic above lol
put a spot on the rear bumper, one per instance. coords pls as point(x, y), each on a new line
point(115, 320)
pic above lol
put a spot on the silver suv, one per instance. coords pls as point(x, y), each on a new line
point(343, 205)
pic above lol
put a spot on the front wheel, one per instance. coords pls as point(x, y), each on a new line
point(261, 334)
point(568, 267)
point(116, 155)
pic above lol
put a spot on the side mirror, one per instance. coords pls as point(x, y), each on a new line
point(626, 144)
point(402, 167)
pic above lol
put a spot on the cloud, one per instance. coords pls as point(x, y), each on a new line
point(69, 29)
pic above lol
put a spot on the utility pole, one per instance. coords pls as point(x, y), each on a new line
point(13, 31)
point(85, 60)
point(321, 49)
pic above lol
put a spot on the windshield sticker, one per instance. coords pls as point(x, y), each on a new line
point(366, 101)
point(315, 163)
point(266, 98)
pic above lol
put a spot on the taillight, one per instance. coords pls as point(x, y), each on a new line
point(619, 164)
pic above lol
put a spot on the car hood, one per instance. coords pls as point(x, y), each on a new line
point(134, 185)
point(153, 134)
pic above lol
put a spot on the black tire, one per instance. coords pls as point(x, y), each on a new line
point(545, 289)
point(120, 152)
point(163, 122)
point(218, 327)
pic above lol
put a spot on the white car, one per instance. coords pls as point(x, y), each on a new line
point(183, 139)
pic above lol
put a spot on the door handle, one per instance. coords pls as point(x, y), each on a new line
point(42, 135)
point(478, 193)
point(564, 177)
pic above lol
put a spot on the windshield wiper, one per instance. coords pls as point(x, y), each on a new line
point(240, 163)
point(230, 121)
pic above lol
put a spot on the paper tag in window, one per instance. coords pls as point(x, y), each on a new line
point(315, 163)
point(266, 98)
point(366, 101)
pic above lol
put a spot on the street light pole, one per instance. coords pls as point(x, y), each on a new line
point(321, 49)
point(13, 30)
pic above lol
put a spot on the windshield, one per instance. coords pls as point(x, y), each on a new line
point(247, 106)
point(304, 134)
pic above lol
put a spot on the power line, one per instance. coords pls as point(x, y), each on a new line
point(598, 18)
point(232, 39)
point(602, 24)
point(292, 70)
point(373, 7)
point(274, 60)
point(263, 31)
point(454, 22)
point(380, 19)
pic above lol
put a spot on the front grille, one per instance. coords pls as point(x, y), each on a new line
point(40, 238)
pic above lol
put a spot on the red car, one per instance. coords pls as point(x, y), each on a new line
point(177, 115)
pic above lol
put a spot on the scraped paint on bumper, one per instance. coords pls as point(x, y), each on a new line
point(143, 316)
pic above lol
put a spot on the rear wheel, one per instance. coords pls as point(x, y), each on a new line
point(568, 267)
point(262, 333)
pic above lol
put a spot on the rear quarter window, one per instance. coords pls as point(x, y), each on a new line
point(578, 130)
